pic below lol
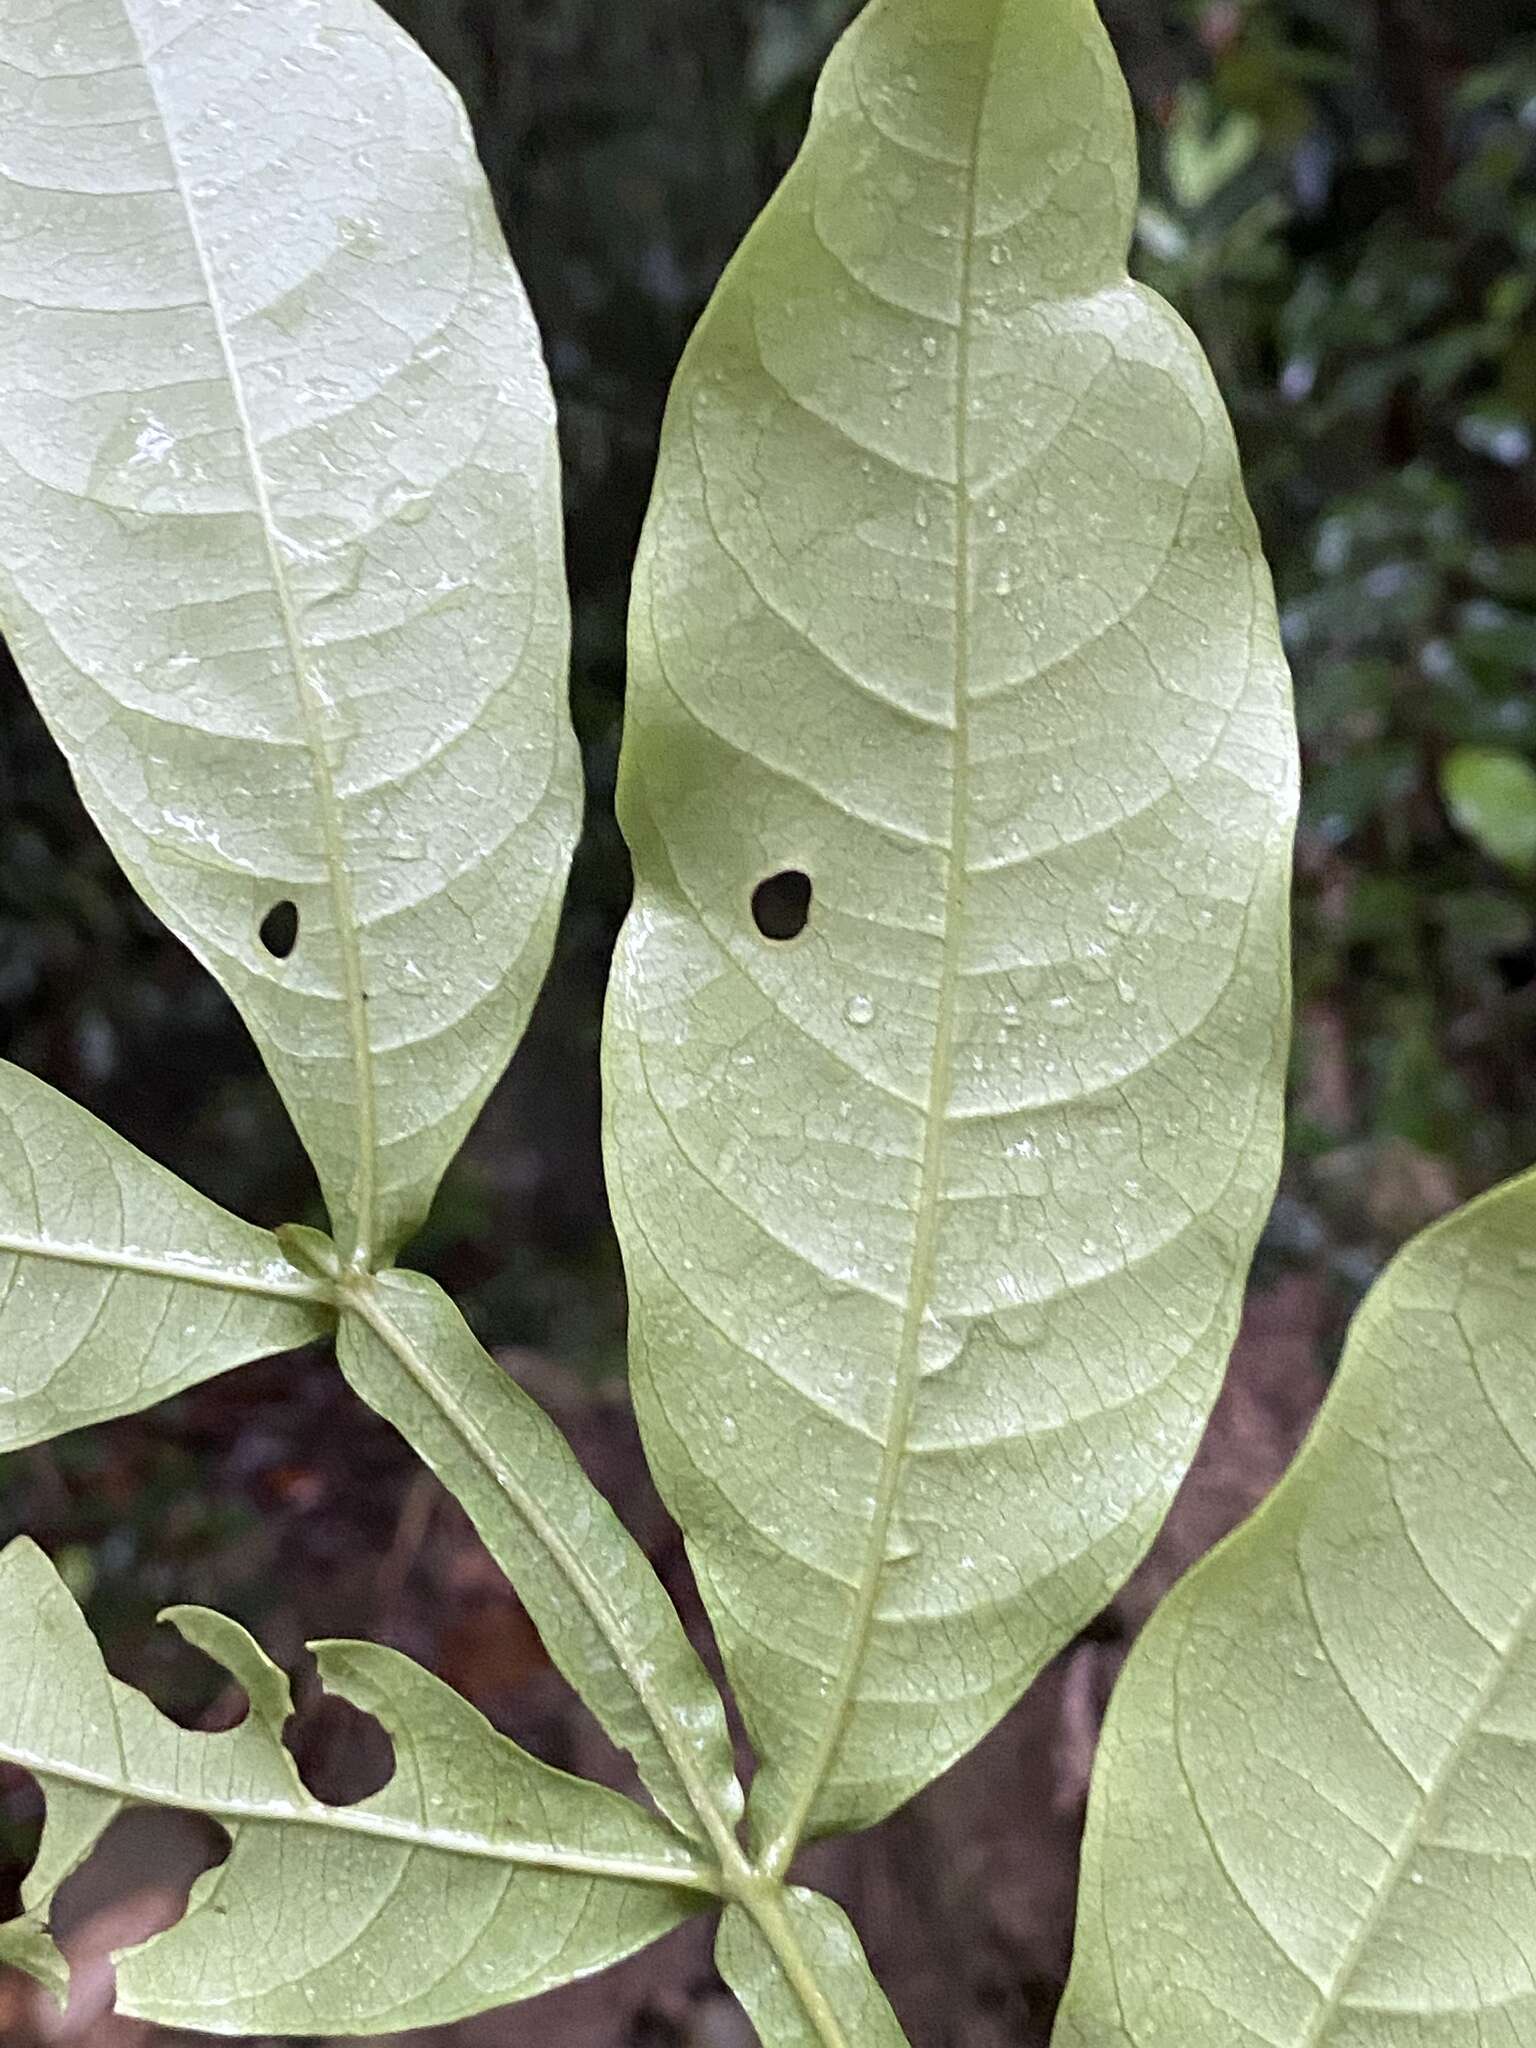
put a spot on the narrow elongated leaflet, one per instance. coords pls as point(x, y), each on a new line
point(603, 1614)
point(478, 1875)
point(1313, 1821)
point(936, 1216)
point(118, 1285)
point(280, 543)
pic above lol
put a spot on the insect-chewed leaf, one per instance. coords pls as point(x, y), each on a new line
point(1314, 1816)
point(477, 1876)
point(603, 1614)
point(27, 1947)
point(280, 543)
point(118, 1284)
point(816, 1991)
point(950, 604)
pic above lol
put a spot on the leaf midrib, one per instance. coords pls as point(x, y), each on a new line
point(362, 1225)
point(941, 1071)
point(1334, 1999)
point(221, 1279)
point(357, 1821)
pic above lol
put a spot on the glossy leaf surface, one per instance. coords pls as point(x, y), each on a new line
point(478, 1875)
point(599, 1608)
point(280, 543)
point(1314, 1816)
point(936, 1216)
point(119, 1285)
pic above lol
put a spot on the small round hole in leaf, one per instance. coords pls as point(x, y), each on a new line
point(781, 906)
point(280, 929)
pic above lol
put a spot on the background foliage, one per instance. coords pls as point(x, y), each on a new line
point(1341, 195)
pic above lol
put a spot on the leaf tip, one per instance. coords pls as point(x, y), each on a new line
point(237, 1652)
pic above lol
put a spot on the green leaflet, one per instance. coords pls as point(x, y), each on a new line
point(599, 1608)
point(1314, 1816)
point(477, 1876)
point(279, 542)
point(815, 1990)
point(119, 1285)
point(936, 1218)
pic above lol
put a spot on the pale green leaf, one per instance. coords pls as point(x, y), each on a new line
point(477, 1876)
point(936, 1217)
point(801, 1974)
point(118, 1285)
point(602, 1613)
point(1313, 1821)
point(279, 542)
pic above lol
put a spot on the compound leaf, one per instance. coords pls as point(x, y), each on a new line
point(601, 1611)
point(280, 543)
point(814, 1988)
point(119, 1285)
point(1314, 1816)
point(477, 1876)
point(951, 606)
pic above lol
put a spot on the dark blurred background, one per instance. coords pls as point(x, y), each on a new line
point(1341, 196)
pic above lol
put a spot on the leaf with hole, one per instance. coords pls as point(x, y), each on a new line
point(477, 1876)
point(280, 544)
point(936, 1204)
point(118, 1285)
point(1314, 1815)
